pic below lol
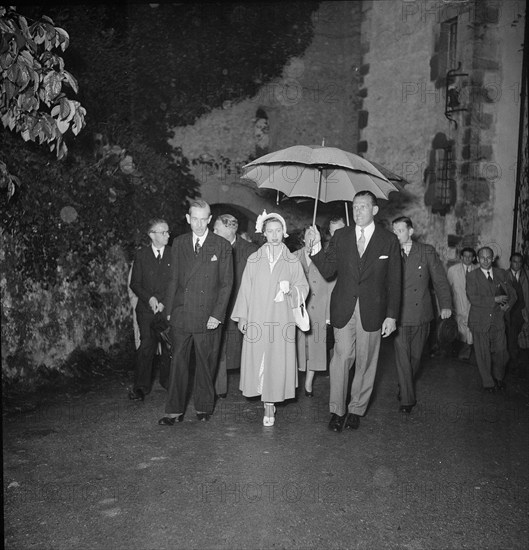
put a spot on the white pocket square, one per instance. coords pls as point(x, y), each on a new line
point(383, 257)
point(214, 258)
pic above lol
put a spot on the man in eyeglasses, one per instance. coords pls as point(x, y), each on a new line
point(149, 281)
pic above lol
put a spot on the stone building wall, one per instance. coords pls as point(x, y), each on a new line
point(460, 163)
point(314, 100)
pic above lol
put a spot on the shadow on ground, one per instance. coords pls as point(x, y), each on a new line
point(86, 468)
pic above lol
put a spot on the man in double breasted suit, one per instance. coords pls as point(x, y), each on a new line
point(491, 296)
point(519, 313)
point(364, 305)
point(196, 300)
point(226, 226)
point(148, 281)
point(420, 268)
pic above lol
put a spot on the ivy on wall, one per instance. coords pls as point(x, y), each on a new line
point(141, 70)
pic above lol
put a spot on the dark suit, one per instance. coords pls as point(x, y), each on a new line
point(149, 278)
point(486, 321)
point(420, 268)
point(367, 291)
point(199, 288)
point(515, 316)
point(231, 344)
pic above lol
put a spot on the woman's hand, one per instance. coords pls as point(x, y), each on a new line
point(242, 325)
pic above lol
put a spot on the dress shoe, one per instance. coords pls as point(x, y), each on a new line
point(269, 420)
point(352, 421)
point(170, 420)
point(136, 395)
point(203, 417)
point(405, 409)
point(222, 395)
point(309, 393)
point(336, 422)
point(500, 385)
point(491, 389)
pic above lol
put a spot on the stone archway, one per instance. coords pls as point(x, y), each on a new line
point(245, 217)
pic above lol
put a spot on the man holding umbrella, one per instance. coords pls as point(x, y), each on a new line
point(364, 305)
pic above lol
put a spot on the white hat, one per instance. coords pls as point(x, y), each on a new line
point(264, 216)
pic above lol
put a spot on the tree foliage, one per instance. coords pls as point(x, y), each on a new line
point(32, 99)
point(141, 70)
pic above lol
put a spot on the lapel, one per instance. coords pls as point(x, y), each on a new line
point(202, 258)
point(372, 252)
point(192, 261)
point(412, 261)
point(482, 278)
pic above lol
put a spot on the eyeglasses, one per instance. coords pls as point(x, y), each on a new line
point(161, 232)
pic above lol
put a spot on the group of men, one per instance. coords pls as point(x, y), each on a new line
point(492, 306)
point(194, 284)
point(383, 282)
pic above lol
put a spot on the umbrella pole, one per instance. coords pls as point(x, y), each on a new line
point(346, 213)
point(317, 197)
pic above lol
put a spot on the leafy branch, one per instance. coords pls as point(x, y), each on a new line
point(32, 101)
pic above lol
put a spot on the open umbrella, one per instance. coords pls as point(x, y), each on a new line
point(322, 173)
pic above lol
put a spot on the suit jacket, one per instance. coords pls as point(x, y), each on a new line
point(374, 279)
point(150, 278)
point(523, 300)
point(242, 249)
point(421, 267)
point(484, 311)
point(200, 285)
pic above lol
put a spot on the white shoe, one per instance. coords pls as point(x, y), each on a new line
point(269, 420)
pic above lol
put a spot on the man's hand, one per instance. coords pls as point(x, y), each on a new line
point(154, 304)
point(388, 326)
point(313, 235)
point(445, 313)
point(502, 300)
point(212, 323)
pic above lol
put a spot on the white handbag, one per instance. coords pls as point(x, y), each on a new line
point(300, 313)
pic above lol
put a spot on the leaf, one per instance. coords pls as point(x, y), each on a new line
point(64, 38)
point(68, 77)
point(65, 108)
point(52, 85)
point(63, 126)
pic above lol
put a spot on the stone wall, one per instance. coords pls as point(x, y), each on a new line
point(408, 94)
point(43, 326)
point(314, 100)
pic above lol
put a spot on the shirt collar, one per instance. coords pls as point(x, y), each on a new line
point(156, 250)
point(200, 239)
point(486, 271)
point(368, 230)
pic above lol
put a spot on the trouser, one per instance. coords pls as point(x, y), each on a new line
point(229, 357)
point(145, 356)
point(353, 345)
point(409, 346)
point(491, 354)
point(206, 353)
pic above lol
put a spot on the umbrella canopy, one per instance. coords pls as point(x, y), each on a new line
point(322, 173)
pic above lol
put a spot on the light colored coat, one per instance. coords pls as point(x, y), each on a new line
point(268, 360)
point(312, 345)
point(457, 278)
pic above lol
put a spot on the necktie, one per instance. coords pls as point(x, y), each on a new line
point(403, 254)
point(197, 246)
point(361, 243)
point(159, 257)
point(489, 278)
